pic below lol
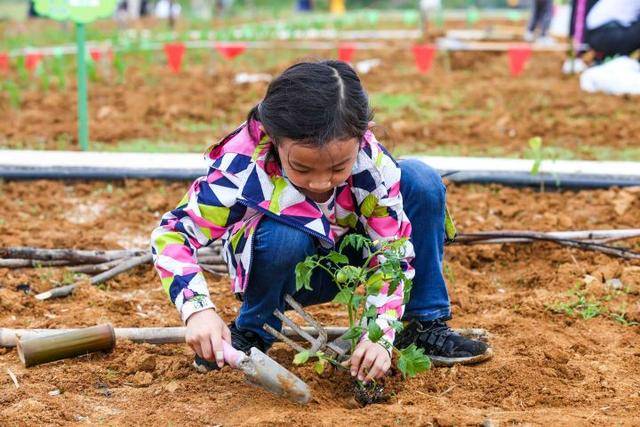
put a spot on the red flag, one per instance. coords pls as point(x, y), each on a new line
point(345, 51)
point(518, 56)
point(174, 53)
point(31, 60)
point(96, 54)
point(230, 50)
point(4, 62)
point(424, 54)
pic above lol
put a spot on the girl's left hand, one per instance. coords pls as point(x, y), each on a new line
point(369, 361)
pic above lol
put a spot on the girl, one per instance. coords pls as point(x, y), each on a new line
point(290, 182)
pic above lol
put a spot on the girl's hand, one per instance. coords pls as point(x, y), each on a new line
point(205, 332)
point(369, 361)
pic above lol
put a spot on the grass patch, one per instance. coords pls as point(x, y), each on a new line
point(143, 145)
point(388, 105)
point(585, 306)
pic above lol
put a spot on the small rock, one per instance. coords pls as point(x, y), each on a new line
point(172, 386)
point(615, 284)
point(143, 379)
point(141, 362)
point(488, 423)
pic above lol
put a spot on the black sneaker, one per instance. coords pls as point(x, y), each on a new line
point(240, 340)
point(444, 346)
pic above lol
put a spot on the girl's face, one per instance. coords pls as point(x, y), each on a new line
point(317, 171)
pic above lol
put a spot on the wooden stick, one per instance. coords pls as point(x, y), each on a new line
point(513, 236)
point(215, 269)
point(79, 256)
point(175, 335)
point(121, 267)
point(67, 344)
point(94, 268)
point(480, 238)
point(22, 263)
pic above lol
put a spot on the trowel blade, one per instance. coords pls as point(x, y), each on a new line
point(263, 371)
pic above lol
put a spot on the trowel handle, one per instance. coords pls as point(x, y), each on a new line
point(231, 355)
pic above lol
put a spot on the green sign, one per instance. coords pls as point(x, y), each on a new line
point(78, 11)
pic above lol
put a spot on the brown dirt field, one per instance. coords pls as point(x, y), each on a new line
point(467, 105)
point(548, 369)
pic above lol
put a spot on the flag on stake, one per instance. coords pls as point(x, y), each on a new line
point(174, 53)
point(97, 54)
point(4, 62)
point(424, 54)
point(518, 56)
point(345, 51)
point(230, 50)
point(31, 61)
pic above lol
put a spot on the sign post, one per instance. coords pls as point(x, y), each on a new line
point(80, 12)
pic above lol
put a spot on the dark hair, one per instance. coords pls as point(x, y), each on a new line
point(314, 103)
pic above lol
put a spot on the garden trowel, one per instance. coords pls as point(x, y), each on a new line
point(262, 371)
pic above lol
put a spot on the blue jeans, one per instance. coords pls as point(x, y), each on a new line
point(278, 248)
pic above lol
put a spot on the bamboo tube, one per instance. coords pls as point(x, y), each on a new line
point(166, 335)
point(45, 349)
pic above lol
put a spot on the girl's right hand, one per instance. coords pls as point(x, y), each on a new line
point(205, 332)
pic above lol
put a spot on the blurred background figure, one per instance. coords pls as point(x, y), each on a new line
point(305, 5)
point(337, 7)
point(541, 14)
point(165, 7)
point(613, 27)
point(427, 8)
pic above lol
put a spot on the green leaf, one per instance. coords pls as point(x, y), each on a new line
point(353, 333)
point(349, 274)
point(413, 361)
point(371, 311)
point(356, 301)
point(396, 325)
point(374, 284)
point(319, 366)
point(355, 240)
point(303, 273)
point(343, 296)
point(301, 357)
point(338, 258)
point(374, 331)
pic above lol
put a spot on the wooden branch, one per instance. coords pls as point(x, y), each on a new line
point(513, 236)
point(45, 349)
point(120, 268)
point(94, 268)
point(25, 263)
point(78, 256)
point(215, 269)
point(589, 243)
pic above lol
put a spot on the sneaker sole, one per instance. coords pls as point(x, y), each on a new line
point(450, 361)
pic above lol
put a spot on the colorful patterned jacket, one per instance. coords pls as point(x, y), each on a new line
point(242, 186)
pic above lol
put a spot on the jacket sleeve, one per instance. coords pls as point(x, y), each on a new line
point(384, 219)
point(202, 216)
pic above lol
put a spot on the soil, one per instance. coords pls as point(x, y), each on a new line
point(549, 368)
point(467, 105)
